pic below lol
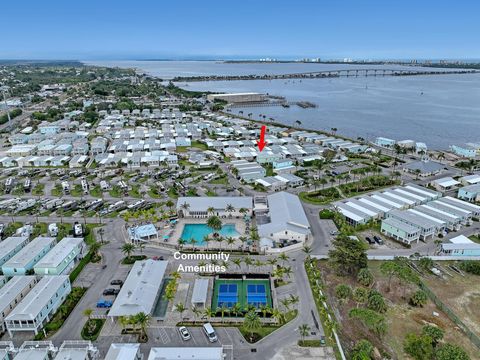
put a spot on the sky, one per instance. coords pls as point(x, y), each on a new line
point(241, 29)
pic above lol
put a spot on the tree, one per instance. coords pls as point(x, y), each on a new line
point(343, 292)
point(180, 308)
point(426, 263)
point(348, 256)
point(365, 277)
point(418, 347)
point(419, 298)
point(215, 224)
point(252, 323)
point(196, 312)
point(376, 302)
point(88, 313)
point(360, 295)
point(434, 332)
point(94, 248)
point(143, 320)
point(371, 319)
point(128, 249)
point(451, 352)
point(304, 331)
point(307, 250)
point(363, 350)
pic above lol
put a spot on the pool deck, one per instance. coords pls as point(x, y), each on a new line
point(178, 230)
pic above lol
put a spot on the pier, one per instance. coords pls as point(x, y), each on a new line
point(325, 74)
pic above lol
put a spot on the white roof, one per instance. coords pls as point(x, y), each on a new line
point(286, 213)
point(122, 352)
point(37, 298)
point(471, 179)
point(72, 354)
point(29, 252)
point(32, 354)
point(200, 290)
point(186, 353)
point(217, 202)
point(12, 288)
point(60, 251)
point(446, 182)
point(140, 290)
point(9, 244)
point(460, 239)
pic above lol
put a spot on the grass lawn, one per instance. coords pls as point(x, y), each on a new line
point(115, 191)
point(39, 189)
point(135, 191)
point(96, 191)
point(223, 180)
point(77, 190)
point(172, 193)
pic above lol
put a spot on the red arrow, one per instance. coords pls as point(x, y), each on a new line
point(261, 143)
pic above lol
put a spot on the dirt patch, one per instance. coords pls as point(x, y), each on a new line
point(401, 317)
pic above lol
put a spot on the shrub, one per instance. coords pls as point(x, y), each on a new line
point(376, 302)
point(418, 347)
point(371, 319)
point(365, 277)
point(434, 332)
point(362, 350)
point(419, 298)
point(471, 266)
point(326, 214)
point(451, 352)
point(343, 291)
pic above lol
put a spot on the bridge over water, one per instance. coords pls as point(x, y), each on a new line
point(327, 74)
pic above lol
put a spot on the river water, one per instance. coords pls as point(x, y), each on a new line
point(439, 110)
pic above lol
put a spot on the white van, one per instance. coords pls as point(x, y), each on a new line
point(210, 332)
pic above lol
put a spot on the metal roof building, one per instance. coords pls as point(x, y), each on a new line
point(141, 289)
point(186, 353)
point(124, 352)
point(200, 292)
point(26, 258)
point(10, 246)
point(287, 220)
point(42, 301)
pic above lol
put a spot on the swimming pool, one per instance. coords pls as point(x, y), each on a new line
point(198, 231)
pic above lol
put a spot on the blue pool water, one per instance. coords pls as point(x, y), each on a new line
point(198, 231)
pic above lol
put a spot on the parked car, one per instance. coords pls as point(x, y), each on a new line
point(109, 292)
point(104, 304)
point(210, 332)
point(184, 334)
point(116, 282)
point(322, 341)
point(370, 241)
point(378, 240)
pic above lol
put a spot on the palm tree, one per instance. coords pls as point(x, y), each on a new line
point(238, 262)
point(252, 323)
point(265, 309)
point(193, 242)
point(206, 240)
point(286, 303)
point(196, 312)
point(278, 315)
point(224, 309)
point(284, 257)
point(124, 321)
point(128, 249)
point(304, 330)
point(181, 242)
point(180, 308)
point(243, 240)
point(230, 241)
point(94, 249)
point(141, 246)
point(236, 309)
point(272, 261)
point(248, 261)
point(185, 206)
point(101, 232)
point(143, 320)
point(294, 299)
point(215, 224)
point(287, 271)
point(307, 250)
point(230, 208)
point(211, 210)
point(88, 313)
point(208, 312)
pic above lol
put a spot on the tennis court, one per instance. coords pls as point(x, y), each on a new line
point(228, 292)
